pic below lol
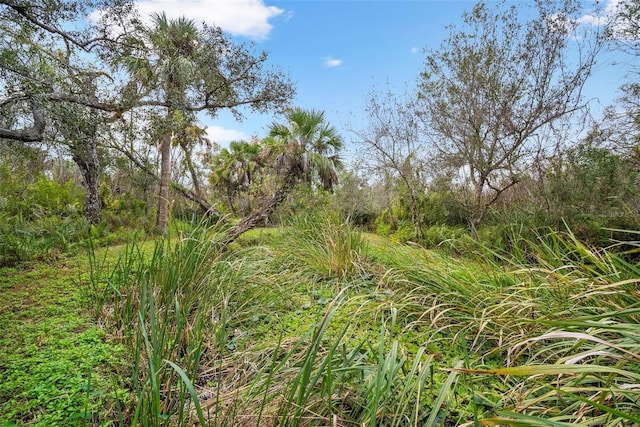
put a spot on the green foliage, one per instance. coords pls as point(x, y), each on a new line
point(303, 201)
point(354, 200)
point(40, 218)
point(169, 305)
point(443, 236)
point(55, 360)
point(234, 172)
point(444, 207)
point(46, 238)
point(496, 82)
point(592, 342)
point(154, 303)
point(439, 209)
point(126, 211)
point(382, 228)
point(404, 232)
point(328, 246)
point(593, 189)
point(318, 322)
point(227, 302)
point(388, 220)
point(33, 198)
point(307, 146)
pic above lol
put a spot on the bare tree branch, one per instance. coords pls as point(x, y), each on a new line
point(31, 134)
point(205, 206)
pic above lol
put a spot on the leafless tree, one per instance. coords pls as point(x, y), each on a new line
point(391, 147)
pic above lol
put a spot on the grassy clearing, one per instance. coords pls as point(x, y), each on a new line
point(318, 324)
point(54, 359)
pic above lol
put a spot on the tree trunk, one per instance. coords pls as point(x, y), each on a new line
point(86, 158)
point(479, 207)
point(192, 170)
point(416, 218)
point(268, 207)
point(165, 179)
point(206, 207)
point(234, 211)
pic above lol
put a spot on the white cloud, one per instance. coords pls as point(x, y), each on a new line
point(332, 62)
point(414, 50)
point(603, 16)
point(288, 15)
point(248, 18)
point(223, 135)
point(608, 16)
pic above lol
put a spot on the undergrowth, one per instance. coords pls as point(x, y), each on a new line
point(55, 364)
point(319, 324)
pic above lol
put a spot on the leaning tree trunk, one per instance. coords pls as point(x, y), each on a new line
point(86, 158)
point(268, 207)
point(416, 218)
point(192, 169)
point(165, 180)
point(204, 204)
point(481, 206)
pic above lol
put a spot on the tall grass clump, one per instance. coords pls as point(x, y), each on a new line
point(559, 319)
point(325, 244)
point(446, 298)
point(543, 335)
point(42, 238)
point(157, 303)
point(324, 378)
point(580, 364)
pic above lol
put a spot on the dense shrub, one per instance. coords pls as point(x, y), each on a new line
point(23, 240)
point(442, 236)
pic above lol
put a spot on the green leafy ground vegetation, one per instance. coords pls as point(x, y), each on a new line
point(477, 265)
point(55, 362)
point(379, 334)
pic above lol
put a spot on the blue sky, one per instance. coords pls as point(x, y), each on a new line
point(337, 51)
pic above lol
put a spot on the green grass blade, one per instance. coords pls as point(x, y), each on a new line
point(531, 370)
point(274, 360)
point(602, 407)
point(520, 420)
point(443, 395)
point(192, 392)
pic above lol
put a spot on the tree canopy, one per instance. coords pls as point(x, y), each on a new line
point(498, 81)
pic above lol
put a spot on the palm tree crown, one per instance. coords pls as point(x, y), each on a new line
point(236, 165)
point(307, 146)
point(165, 62)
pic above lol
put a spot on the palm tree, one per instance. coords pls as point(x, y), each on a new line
point(185, 70)
point(234, 169)
point(167, 63)
point(306, 148)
